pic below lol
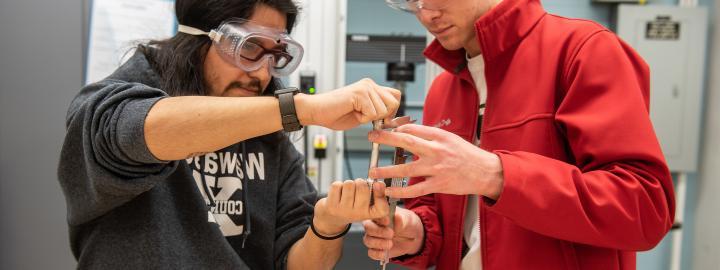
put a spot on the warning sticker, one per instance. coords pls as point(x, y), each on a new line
point(663, 28)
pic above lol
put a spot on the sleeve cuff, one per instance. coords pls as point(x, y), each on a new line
point(131, 136)
point(422, 258)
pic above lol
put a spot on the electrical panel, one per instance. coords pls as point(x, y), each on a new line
point(673, 41)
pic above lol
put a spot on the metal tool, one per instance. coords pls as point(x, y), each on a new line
point(398, 121)
point(399, 158)
point(380, 125)
point(375, 153)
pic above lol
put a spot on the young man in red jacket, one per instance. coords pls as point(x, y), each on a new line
point(537, 150)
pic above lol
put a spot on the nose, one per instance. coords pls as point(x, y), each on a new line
point(263, 72)
point(427, 15)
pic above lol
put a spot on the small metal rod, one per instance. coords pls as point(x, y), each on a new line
point(375, 154)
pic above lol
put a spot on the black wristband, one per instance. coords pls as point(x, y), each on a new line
point(312, 227)
point(288, 115)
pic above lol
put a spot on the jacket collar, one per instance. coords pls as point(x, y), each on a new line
point(500, 29)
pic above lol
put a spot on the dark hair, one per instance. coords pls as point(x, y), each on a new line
point(179, 60)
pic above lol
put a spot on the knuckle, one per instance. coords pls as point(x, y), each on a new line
point(371, 254)
point(437, 167)
point(378, 214)
point(360, 182)
point(388, 233)
point(395, 104)
point(378, 255)
point(438, 149)
point(409, 141)
point(382, 111)
point(409, 128)
point(367, 224)
point(374, 243)
point(445, 151)
point(368, 241)
point(371, 232)
point(367, 83)
point(337, 184)
point(384, 211)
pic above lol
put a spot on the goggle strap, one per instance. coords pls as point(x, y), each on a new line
point(215, 36)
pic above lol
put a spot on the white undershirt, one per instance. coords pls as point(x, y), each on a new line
point(471, 226)
point(476, 65)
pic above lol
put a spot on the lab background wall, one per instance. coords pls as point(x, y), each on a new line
point(41, 70)
point(703, 250)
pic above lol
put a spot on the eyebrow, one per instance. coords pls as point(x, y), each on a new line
point(277, 46)
point(280, 46)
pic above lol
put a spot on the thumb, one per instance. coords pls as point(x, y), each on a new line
point(383, 221)
point(381, 208)
point(399, 221)
point(403, 224)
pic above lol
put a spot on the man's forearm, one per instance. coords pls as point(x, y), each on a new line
point(311, 252)
point(180, 127)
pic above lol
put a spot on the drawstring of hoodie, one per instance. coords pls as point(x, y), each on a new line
point(246, 208)
point(246, 205)
point(210, 196)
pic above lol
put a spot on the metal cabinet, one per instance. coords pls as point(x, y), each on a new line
point(672, 40)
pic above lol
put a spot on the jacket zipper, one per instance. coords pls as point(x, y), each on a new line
point(481, 201)
point(462, 230)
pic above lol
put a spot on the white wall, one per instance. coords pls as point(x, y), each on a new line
point(40, 71)
point(707, 235)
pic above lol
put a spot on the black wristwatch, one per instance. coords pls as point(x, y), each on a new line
point(288, 115)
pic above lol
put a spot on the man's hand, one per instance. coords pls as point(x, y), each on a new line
point(346, 202)
point(348, 107)
point(449, 164)
point(405, 238)
point(349, 202)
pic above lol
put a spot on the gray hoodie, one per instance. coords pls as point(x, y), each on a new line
point(129, 210)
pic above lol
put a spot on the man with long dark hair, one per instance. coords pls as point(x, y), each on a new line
point(177, 161)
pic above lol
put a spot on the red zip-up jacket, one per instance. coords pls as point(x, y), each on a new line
point(585, 181)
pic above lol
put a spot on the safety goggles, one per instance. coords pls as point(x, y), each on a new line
point(249, 46)
point(413, 6)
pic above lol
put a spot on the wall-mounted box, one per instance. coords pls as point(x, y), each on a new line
point(672, 40)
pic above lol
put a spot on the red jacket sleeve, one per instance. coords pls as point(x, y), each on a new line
point(617, 192)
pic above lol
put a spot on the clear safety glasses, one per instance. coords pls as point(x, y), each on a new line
point(413, 6)
point(249, 46)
